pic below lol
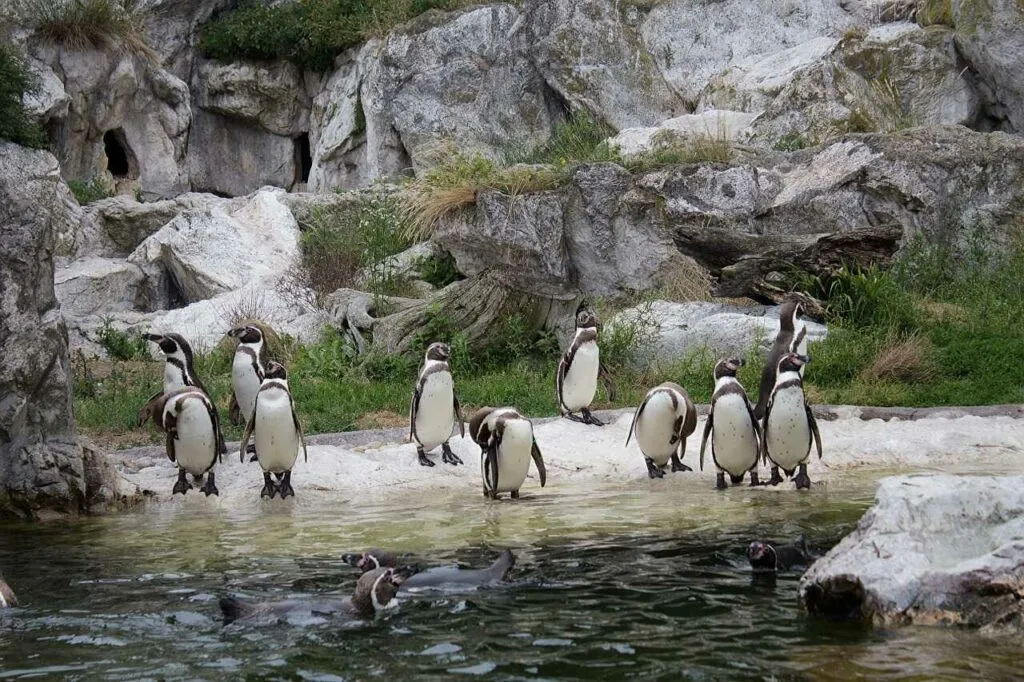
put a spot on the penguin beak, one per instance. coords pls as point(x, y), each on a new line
point(236, 332)
point(804, 358)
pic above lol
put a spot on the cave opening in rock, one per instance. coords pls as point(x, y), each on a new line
point(120, 161)
point(303, 158)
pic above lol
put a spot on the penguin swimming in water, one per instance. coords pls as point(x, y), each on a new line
point(579, 369)
point(375, 593)
point(277, 432)
point(735, 432)
point(765, 557)
point(440, 577)
point(506, 445)
point(662, 423)
point(7, 598)
point(193, 431)
point(179, 372)
point(788, 340)
point(789, 424)
point(247, 370)
point(435, 408)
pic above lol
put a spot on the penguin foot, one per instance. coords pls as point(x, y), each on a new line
point(514, 494)
point(753, 480)
point(490, 495)
point(284, 488)
point(720, 481)
point(736, 480)
point(182, 486)
point(449, 457)
point(423, 458)
point(210, 488)
point(677, 464)
point(802, 479)
point(254, 458)
point(571, 417)
point(776, 478)
point(653, 470)
point(251, 450)
point(588, 418)
point(269, 489)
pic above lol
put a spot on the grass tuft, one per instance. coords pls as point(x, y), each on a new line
point(88, 191)
point(85, 24)
point(906, 360)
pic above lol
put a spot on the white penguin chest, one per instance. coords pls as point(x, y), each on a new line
point(174, 377)
point(245, 383)
point(514, 454)
point(655, 428)
point(435, 417)
point(194, 447)
point(277, 441)
point(801, 349)
point(580, 383)
point(733, 440)
point(788, 433)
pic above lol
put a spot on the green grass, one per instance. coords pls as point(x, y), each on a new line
point(88, 191)
point(581, 139)
point(15, 81)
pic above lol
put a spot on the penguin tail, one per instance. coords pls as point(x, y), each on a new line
point(501, 568)
point(234, 609)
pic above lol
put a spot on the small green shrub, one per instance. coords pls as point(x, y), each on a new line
point(15, 82)
point(81, 24)
point(121, 346)
point(438, 269)
point(89, 191)
point(865, 297)
point(581, 139)
point(672, 149)
point(791, 142)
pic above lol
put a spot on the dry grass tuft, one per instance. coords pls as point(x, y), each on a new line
point(908, 359)
point(84, 24)
point(381, 419)
point(943, 312)
point(687, 282)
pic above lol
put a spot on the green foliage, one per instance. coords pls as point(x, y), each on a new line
point(309, 33)
point(672, 149)
point(865, 297)
point(791, 142)
point(121, 346)
point(15, 82)
point(82, 24)
point(438, 269)
point(931, 12)
point(581, 139)
point(87, 192)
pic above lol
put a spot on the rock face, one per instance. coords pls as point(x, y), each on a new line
point(932, 549)
point(40, 460)
point(713, 123)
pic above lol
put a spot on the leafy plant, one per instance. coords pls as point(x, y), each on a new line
point(121, 346)
point(581, 139)
point(437, 269)
point(89, 191)
point(15, 83)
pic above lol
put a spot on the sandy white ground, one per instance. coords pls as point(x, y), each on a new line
point(355, 465)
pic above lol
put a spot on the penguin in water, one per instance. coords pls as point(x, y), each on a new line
point(277, 432)
point(662, 423)
point(579, 369)
point(789, 424)
point(375, 593)
point(190, 421)
point(506, 445)
point(735, 432)
point(788, 340)
point(179, 372)
point(435, 408)
point(766, 557)
point(440, 577)
point(7, 598)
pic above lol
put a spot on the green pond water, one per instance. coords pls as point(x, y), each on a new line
point(643, 583)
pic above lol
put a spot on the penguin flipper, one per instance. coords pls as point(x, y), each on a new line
point(414, 407)
point(148, 410)
point(218, 435)
point(813, 423)
point(538, 460)
point(458, 416)
point(707, 432)
point(170, 446)
point(606, 377)
point(636, 417)
point(298, 429)
point(234, 412)
point(492, 465)
point(563, 367)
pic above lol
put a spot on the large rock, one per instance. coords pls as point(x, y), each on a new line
point(591, 54)
point(340, 140)
point(218, 249)
point(269, 95)
point(712, 124)
point(98, 286)
point(932, 549)
point(686, 329)
point(172, 29)
point(126, 223)
point(990, 36)
point(40, 460)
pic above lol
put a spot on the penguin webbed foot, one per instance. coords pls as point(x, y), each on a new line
point(571, 417)
point(449, 457)
point(210, 488)
point(514, 494)
point(736, 480)
point(677, 464)
point(251, 450)
point(422, 456)
point(284, 488)
point(754, 482)
point(802, 479)
point(653, 470)
point(776, 477)
point(589, 418)
point(182, 485)
point(720, 483)
point(269, 488)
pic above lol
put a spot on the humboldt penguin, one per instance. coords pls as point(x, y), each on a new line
point(579, 369)
point(788, 340)
point(192, 430)
point(662, 423)
point(735, 432)
point(435, 409)
point(7, 598)
point(439, 577)
point(765, 557)
point(247, 371)
point(507, 444)
point(789, 424)
point(277, 432)
point(179, 372)
point(375, 593)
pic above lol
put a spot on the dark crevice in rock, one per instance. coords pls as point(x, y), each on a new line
point(303, 158)
point(121, 161)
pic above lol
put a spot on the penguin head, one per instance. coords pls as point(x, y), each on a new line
point(375, 590)
point(439, 351)
point(247, 334)
point(173, 346)
point(370, 560)
point(791, 362)
point(586, 319)
point(478, 429)
point(762, 556)
point(275, 370)
point(728, 367)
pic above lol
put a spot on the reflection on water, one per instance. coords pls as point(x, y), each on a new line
point(640, 584)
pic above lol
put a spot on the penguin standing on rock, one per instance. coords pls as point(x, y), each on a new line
point(579, 369)
point(247, 370)
point(506, 445)
point(735, 432)
point(435, 409)
point(788, 340)
point(277, 432)
point(789, 424)
point(662, 423)
point(192, 430)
